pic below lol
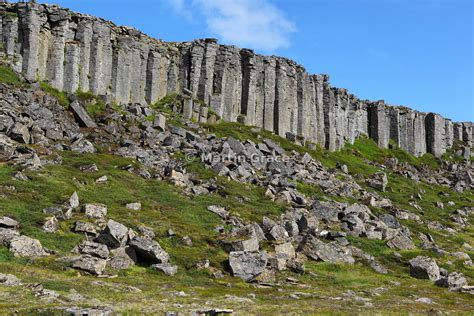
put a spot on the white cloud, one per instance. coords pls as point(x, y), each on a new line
point(254, 24)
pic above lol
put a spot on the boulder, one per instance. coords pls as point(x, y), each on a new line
point(73, 201)
point(166, 268)
point(160, 122)
point(86, 227)
point(278, 234)
point(331, 252)
point(219, 211)
point(390, 220)
point(251, 244)
point(7, 148)
point(401, 242)
point(423, 267)
point(51, 225)
point(92, 248)
point(20, 133)
point(114, 235)
point(9, 280)
point(82, 116)
point(7, 222)
point(98, 211)
point(23, 246)
point(90, 264)
point(6, 235)
point(122, 258)
point(378, 181)
point(247, 265)
point(148, 251)
point(454, 281)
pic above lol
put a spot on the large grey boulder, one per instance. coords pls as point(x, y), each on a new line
point(114, 235)
point(454, 281)
point(82, 116)
point(331, 252)
point(401, 242)
point(247, 265)
point(92, 248)
point(87, 228)
point(20, 133)
point(148, 251)
point(9, 280)
point(378, 181)
point(251, 244)
point(98, 211)
point(23, 246)
point(423, 267)
point(90, 264)
point(122, 258)
point(7, 148)
point(6, 235)
point(7, 222)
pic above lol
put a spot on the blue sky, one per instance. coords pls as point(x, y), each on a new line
point(416, 53)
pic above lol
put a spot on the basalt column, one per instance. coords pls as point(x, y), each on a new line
point(379, 124)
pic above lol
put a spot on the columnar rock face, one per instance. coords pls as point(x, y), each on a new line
point(77, 52)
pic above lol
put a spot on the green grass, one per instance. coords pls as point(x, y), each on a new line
point(8, 76)
point(62, 97)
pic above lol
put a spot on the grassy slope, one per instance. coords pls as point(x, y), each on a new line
point(164, 207)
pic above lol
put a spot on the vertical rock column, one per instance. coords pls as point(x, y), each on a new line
point(31, 22)
point(10, 40)
point(269, 88)
point(435, 134)
point(72, 67)
point(319, 108)
point(59, 21)
point(197, 52)
point(329, 117)
point(286, 99)
point(206, 78)
point(121, 70)
point(84, 37)
point(253, 94)
point(100, 69)
point(379, 124)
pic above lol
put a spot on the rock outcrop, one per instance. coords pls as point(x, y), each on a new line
point(75, 51)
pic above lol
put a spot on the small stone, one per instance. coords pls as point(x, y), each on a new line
point(51, 225)
point(134, 206)
point(166, 268)
point(187, 241)
point(89, 168)
point(101, 180)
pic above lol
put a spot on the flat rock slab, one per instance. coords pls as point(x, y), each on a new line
point(82, 116)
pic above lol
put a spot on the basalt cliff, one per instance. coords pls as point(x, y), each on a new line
point(75, 52)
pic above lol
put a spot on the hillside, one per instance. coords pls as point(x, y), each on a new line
point(135, 209)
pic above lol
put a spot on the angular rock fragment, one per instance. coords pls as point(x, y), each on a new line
point(328, 252)
point(166, 268)
point(98, 211)
point(7, 222)
point(23, 246)
point(93, 265)
point(114, 235)
point(247, 265)
point(148, 251)
point(122, 258)
point(423, 267)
